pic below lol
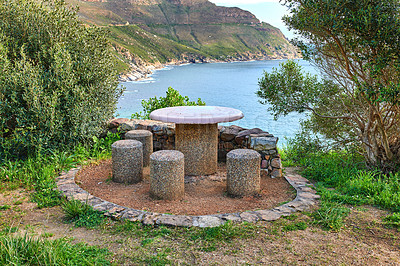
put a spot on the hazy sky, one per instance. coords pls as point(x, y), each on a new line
point(270, 11)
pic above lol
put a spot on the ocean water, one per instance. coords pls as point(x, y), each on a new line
point(220, 84)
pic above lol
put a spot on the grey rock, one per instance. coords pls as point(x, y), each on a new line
point(307, 195)
point(207, 221)
point(83, 196)
point(116, 122)
point(284, 210)
point(231, 217)
point(267, 215)
point(249, 217)
point(263, 143)
point(276, 173)
point(175, 220)
point(150, 218)
point(105, 206)
point(127, 126)
point(248, 132)
point(95, 201)
point(229, 133)
point(276, 163)
point(133, 215)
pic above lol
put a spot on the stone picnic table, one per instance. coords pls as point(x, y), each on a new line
point(196, 129)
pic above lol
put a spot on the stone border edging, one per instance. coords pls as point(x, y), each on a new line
point(306, 197)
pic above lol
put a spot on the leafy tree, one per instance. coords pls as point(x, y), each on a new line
point(355, 45)
point(58, 83)
point(173, 98)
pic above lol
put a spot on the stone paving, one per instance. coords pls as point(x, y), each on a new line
point(305, 199)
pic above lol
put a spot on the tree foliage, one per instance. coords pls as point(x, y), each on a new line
point(58, 83)
point(355, 45)
point(172, 98)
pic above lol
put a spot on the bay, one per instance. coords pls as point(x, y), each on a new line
point(220, 84)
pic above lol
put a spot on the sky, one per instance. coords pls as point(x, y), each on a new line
point(270, 11)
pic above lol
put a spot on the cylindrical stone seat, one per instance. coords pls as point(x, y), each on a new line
point(146, 138)
point(127, 161)
point(243, 172)
point(167, 175)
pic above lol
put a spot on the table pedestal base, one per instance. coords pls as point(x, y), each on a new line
point(199, 144)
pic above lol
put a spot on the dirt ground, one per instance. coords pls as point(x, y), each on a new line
point(364, 240)
point(203, 194)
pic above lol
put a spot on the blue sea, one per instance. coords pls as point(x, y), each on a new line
point(221, 84)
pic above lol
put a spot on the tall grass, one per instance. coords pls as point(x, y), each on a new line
point(342, 178)
point(30, 251)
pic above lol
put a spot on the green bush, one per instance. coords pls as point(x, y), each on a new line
point(173, 98)
point(58, 84)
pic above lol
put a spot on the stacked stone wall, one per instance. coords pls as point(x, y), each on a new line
point(229, 138)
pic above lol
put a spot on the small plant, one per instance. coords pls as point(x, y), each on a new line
point(393, 219)
point(18, 202)
point(47, 235)
point(63, 160)
point(10, 229)
point(4, 207)
point(295, 226)
point(73, 209)
point(330, 215)
point(81, 214)
point(173, 98)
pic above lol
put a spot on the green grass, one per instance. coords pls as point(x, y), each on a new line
point(82, 215)
point(29, 251)
point(4, 207)
point(205, 239)
point(38, 172)
point(393, 219)
point(342, 180)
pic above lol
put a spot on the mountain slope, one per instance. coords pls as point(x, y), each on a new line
point(163, 31)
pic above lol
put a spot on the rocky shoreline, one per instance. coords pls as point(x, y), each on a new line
point(142, 71)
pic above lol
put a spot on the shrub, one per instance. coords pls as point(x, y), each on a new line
point(58, 84)
point(173, 98)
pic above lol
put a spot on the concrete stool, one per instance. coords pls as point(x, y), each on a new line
point(146, 138)
point(127, 161)
point(243, 172)
point(167, 175)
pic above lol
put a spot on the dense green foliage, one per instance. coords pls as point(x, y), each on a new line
point(32, 251)
point(58, 85)
point(173, 98)
point(357, 52)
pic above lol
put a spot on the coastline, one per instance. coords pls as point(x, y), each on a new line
point(142, 72)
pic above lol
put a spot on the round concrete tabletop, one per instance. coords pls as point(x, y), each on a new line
point(196, 114)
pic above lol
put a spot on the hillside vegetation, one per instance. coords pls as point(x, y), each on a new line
point(163, 31)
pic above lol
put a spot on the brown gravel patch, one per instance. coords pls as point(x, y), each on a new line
point(203, 194)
